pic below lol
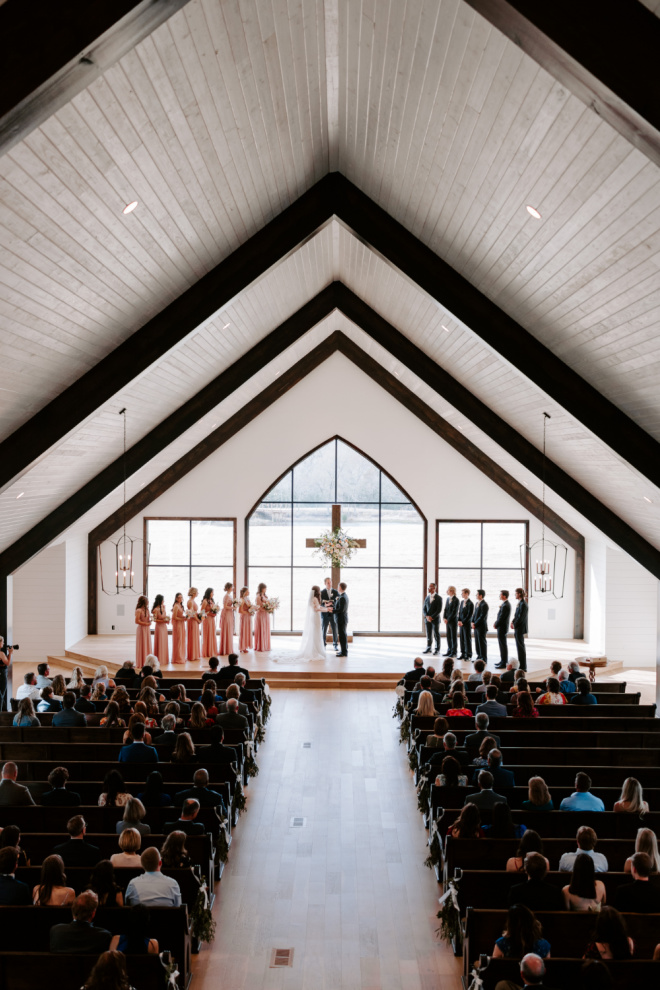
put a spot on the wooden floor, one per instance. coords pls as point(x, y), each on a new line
point(348, 892)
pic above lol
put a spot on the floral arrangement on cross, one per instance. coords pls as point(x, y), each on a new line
point(335, 547)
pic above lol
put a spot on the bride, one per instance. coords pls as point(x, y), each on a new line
point(312, 646)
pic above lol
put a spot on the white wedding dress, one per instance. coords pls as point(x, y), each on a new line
point(312, 646)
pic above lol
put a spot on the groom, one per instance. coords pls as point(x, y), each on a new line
point(341, 615)
point(329, 594)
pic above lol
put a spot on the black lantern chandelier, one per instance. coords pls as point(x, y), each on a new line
point(122, 550)
point(545, 560)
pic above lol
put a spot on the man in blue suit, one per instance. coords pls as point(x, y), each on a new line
point(12, 891)
point(138, 751)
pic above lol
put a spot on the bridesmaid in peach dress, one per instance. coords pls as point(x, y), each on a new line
point(261, 622)
point(245, 637)
point(161, 638)
point(209, 638)
point(178, 630)
point(227, 622)
point(193, 625)
point(142, 631)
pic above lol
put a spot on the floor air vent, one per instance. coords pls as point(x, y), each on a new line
point(281, 957)
point(297, 822)
point(306, 745)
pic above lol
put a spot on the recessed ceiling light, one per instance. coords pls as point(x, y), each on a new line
point(533, 212)
point(397, 375)
point(213, 425)
point(226, 325)
point(646, 499)
point(446, 329)
point(21, 495)
point(130, 207)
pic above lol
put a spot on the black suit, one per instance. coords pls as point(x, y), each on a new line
point(206, 797)
point(502, 626)
point(520, 630)
point(458, 753)
point(328, 618)
point(475, 739)
point(341, 613)
point(450, 616)
point(480, 622)
point(433, 608)
point(189, 827)
point(219, 755)
point(13, 891)
point(640, 896)
point(79, 938)
point(59, 797)
point(465, 613)
point(227, 674)
point(414, 675)
point(537, 895)
point(78, 852)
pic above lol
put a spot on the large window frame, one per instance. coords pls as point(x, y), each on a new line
point(189, 519)
point(480, 568)
point(292, 502)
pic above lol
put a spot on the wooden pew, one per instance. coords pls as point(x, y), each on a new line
point(492, 854)
point(563, 775)
point(564, 824)
point(78, 877)
point(566, 973)
point(36, 769)
point(490, 888)
point(453, 797)
point(611, 710)
point(40, 819)
point(89, 790)
point(27, 970)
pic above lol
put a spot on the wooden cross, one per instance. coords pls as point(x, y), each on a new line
point(336, 524)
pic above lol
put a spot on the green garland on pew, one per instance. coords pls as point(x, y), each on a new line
point(202, 925)
point(223, 844)
point(261, 733)
point(423, 795)
point(265, 708)
point(450, 918)
point(397, 711)
point(413, 762)
point(251, 767)
point(404, 731)
point(435, 849)
point(238, 800)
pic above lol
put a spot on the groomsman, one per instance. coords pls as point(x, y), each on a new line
point(502, 626)
point(431, 612)
point(480, 625)
point(465, 611)
point(450, 616)
point(329, 594)
point(519, 626)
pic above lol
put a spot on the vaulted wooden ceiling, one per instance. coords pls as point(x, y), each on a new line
point(219, 120)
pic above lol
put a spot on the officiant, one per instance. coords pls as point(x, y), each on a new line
point(329, 594)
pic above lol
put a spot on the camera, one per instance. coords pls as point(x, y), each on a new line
point(8, 646)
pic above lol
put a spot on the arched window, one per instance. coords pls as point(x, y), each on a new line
point(385, 580)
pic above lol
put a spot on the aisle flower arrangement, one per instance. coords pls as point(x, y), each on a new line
point(335, 547)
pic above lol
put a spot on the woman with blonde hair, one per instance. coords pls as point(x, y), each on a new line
point(198, 717)
point(130, 841)
point(58, 687)
point(76, 680)
point(645, 842)
point(425, 704)
point(193, 626)
point(101, 674)
point(25, 716)
point(142, 632)
point(632, 798)
point(134, 812)
point(486, 678)
point(99, 693)
point(538, 796)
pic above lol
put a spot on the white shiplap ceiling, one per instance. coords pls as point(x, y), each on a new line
point(229, 112)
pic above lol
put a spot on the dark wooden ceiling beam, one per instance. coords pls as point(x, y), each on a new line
point(52, 50)
point(604, 51)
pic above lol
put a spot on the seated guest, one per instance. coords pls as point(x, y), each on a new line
point(583, 695)
point(476, 676)
point(153, 888)
point(553, 696)
point(229, 672)
point(538, 796)
point(150, 699)
point(58, 796)
point(186, 823)
point(566, 685)
point(28, 688)
point(532, 971)
point(486, 798)
point(130, 842)
point(425, 683)
point(184, 751)
point(632, 798)
point(103, 884)
point(468, 824)
point(232, 719)
point(77, 851)
point(121, 699)
point(457, 684)
point(168, 736)
point(126, 673)
point(10, 835)
point(99, 693)
point(111, 718)
point(487, 744)
point(80, 936)
point(646, 841)
point(584, 892)
point(492, 706)
point(217, 753)
point(424, 701)
point(109, 973)
point(582, 799)
point(536, 893)
point(177, 693)
point(200, 717)
point(146, 671)
point(138, 751)
point(501, 777)
point(83, 703)
point(474, 740)
point(25, 717)
point(201, 792)
point(139, 708)
point(43, 675)
point(531, 842)
point(459, 706)
point(174, 853)
point(486, 679)
point(136, 942)
point(434, 739)
point(640, 896)
point(611, 939)
point(574, 672)
point(449, 748)
point(13, 795)
point(101, 676)
point(47, 703)
point(502, 825)
point(444, 676)
point(451, 775)
point(232, 692)
point(12, 891)
point(524, 706)
point(134, 812)
point(114, 794)
point(522, 934)
point(68, 716)
point(76, 682)
point(586, 843)
point(172, 708)
point(509, 675)
point(133, 720)
point(52, 891)
point(248, 697)
point(59, 686)
point(212, 671)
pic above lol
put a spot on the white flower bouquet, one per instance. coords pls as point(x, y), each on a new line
point(213, 609)
point(270, 605)
point(335, 547)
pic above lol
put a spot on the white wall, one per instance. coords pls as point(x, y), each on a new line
point(39, 605)
point(595, 595)
point(75, 616)
point(340, 399)
point(631, 611)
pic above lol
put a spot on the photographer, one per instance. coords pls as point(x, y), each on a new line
point(5, 660)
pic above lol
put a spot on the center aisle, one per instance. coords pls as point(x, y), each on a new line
point(349, 891)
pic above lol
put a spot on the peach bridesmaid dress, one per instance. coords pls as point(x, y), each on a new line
point(227, 626)
point(209, 638)
point(261, 627)
point(178, 634)
point(161, 638)
point(193, 632)
point(245, 637)
point(142, 636)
